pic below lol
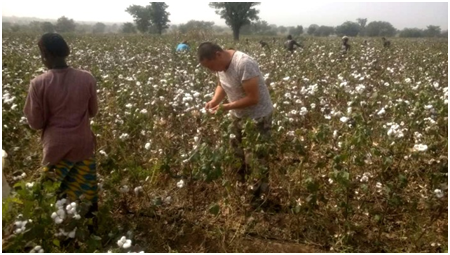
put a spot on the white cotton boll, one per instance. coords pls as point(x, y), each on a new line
point(180, 184)
point(61, 213)
point(127, 244)
point(381, 112)
point(420, 147)
point(438, 193)
point(58, 220)
point(121, 241)
point(344, 119)
point(143, 111)
point(124, 189)
point(72, 233)
point(77, 216)
point(147, 146)
point(365, 178)
point(54, 215)
point(138, 190)
point(335, 133)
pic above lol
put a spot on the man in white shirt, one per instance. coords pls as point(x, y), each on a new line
point(242, 83)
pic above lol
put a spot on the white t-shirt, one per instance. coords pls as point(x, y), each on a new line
point(243, 67)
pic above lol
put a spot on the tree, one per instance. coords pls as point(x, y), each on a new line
point(432, 31)
point(282, 29)
point(159, 16)
point(312, 29)
point(47, 27)
point(411, 32)
point(296, 31)
point(153, 17)
point(196, 25)
point(380, 28)
point(141, 17)
point(64, 25)
point(324, 31)
point(98, 28)
point(362, 24)
point(236, 14)
point(128, 28)
point(261, 27)
point(348, 28)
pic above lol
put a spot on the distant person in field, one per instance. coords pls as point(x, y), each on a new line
point(274, 40)
point(345, 45)
point(290, 44)
point(241, 81)
point(386, 43)
point(60, 102)
point(246, 41)
point(264, 45)
point(184, 46)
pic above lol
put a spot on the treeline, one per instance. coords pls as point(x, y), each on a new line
point(260, 27)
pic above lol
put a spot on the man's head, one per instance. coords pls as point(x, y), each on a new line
point(213, 57)
point(53, 48)
point(289, 37)
point(344, 39)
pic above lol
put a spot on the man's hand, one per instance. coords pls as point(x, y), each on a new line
point(224, 107)
point(210, 105)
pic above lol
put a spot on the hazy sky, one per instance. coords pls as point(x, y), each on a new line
point(286, 13)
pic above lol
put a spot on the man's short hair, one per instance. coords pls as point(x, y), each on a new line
point(207, 50)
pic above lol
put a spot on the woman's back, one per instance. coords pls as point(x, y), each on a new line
point(60, 102)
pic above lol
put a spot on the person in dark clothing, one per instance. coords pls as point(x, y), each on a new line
point(290, 44)
point(264, 44)
point(386, 43)
point(345, 45)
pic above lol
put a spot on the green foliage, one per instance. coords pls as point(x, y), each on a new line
point(380, 28)
point(236, 14)
point(65, 25)
point(348, 28)
point(152, 18)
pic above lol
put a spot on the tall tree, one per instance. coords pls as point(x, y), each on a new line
point(64, 24)
point(159, 16)
point(236, 14)
point(432, 31)
point(98, 28)
point(380, 28)
point(128, 28)
point(47, 27)
point(312, 29)
point(324, 31)
point(411, 32)
point(282, 29)
point(153, 17)
point(296, 31)
point(141, 17)
point(348, 28)
point(362, 24)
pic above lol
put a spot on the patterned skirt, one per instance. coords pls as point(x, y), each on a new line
point(78, 179)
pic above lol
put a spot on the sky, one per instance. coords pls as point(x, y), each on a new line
point(281, 13)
